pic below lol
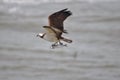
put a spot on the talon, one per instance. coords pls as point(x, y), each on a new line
point(52, 46)
point(60, 43)
point(65, 45)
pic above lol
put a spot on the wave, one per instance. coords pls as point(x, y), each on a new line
point(50, 1)
point(34, 1)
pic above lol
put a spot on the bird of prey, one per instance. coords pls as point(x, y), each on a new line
point(55, 28)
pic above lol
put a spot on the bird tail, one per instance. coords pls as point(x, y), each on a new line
point(65, 31)
point(66, 40)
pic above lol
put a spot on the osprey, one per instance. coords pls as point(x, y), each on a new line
point(55, 28)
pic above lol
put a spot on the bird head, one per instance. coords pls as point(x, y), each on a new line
point(41, 35)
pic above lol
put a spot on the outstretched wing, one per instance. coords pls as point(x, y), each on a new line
point(56, 19)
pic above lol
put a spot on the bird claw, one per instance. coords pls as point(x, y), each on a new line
point(65, 45)
point(53, 46)
point(59, 44)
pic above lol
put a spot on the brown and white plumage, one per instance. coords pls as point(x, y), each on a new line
point(56, 27)
point(56, 19)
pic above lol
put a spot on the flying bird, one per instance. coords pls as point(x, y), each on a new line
point(55, 29)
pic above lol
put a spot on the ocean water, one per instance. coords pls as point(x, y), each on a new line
point(94, 28)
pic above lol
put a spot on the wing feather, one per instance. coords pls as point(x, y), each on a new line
point(56, 19)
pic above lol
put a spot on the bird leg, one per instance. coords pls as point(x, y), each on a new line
point(61, 44)
point(54, 45)
point(57, 44)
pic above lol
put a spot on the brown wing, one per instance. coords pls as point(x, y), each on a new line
point(56, 19)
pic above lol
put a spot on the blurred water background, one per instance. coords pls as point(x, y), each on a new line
point(94, 28)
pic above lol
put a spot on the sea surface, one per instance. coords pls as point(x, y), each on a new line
point(94, 28)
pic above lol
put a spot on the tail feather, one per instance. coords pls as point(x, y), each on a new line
point(66, 40)
point(65, 31)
